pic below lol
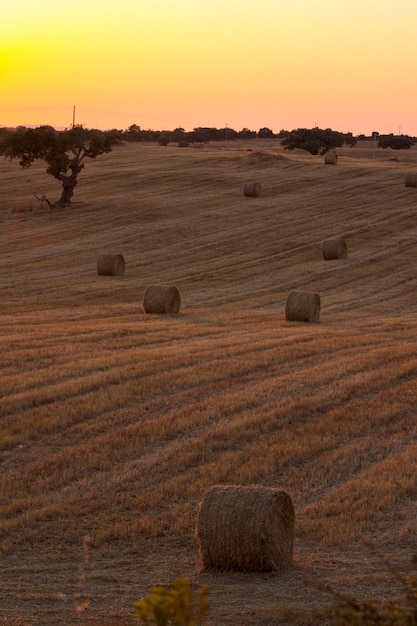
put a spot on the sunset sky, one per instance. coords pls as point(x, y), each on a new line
point(345, 64)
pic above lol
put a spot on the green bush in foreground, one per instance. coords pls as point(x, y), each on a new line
point(177, 605)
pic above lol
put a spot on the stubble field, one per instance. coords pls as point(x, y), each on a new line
point(113, 423)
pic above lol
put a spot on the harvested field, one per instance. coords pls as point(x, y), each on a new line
point(114, 423)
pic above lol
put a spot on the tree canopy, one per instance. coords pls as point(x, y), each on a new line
point(63, 151)
point(396, 142)
point(316, 140)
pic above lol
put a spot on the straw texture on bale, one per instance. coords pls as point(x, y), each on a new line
point(411, 179)
point(330, 158)
point(252, 190)
point(162, 299)
point(245, 529)
point(302, 306)
point(334, 249)
point(111, 265)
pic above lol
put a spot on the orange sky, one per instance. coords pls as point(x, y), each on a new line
point(162, 64)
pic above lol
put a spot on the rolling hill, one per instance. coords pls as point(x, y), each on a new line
point(113, 423)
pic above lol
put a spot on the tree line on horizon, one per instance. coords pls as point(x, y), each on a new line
point(205, 134)
point(65, 151)
point(314, 140)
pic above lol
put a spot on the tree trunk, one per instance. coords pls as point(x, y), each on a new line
point(68, 185)
point(69, 182)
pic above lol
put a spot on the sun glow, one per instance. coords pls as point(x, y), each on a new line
point(160, 64)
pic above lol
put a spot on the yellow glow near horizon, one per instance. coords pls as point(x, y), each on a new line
point(165, 63)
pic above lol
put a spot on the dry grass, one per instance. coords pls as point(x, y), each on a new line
point(113, 423)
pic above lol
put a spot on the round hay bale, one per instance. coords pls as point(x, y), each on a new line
point(110, 265)
point(252, 190)
point(334, 249)
point(161, 299)
point(411, 179)
point(330, 158)
point(302, 306)
point(245, 529)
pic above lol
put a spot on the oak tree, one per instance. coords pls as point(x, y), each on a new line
point(316, 140)
point(396, 142)
point(64, 152)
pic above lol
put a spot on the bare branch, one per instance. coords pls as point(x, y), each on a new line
point(43, 198)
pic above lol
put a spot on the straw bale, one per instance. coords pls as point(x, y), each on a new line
point(302, 306)
point(334, 248)
point(330, 158)
point(252, 190)
point(245, 529)
point(111, 265)
point(162, 299)
point(411, 179)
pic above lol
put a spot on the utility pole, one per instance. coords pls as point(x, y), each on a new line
point(73, 116)
point(374, 136)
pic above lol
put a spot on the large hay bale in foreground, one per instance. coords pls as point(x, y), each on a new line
point(111, 265)
point(302, 306)
point(330, 158)
point(162, 299)
point(245, 529)
point(334, 248)
point(411, 179)
point(252, 190)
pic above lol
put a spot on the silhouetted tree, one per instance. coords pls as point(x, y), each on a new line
point(265, 133)
point(245, 133)
point(199, 135)
point(396, 142)
point(151, 135)
point(178, 134)
point(283, 133)
point(350, 140)
point(133, 133)
point(63, 151)
point(164, 138)
point(228, 133)
point(314, 140)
